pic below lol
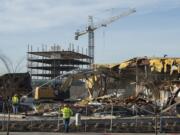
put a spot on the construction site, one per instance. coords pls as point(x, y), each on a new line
point(138, 95)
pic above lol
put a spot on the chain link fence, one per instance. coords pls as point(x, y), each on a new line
point(96, 118)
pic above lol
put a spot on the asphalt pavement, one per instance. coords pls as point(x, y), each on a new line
point(48, 133)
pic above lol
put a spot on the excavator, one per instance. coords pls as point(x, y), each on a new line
point(95, 82)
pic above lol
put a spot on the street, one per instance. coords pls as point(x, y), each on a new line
point(48, 133)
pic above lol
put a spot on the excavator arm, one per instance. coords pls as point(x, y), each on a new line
point(90, 78)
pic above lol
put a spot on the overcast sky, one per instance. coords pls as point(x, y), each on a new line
point(152, 31)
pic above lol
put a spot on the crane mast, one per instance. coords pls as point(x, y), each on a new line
point(91, 39)
point(92, 27)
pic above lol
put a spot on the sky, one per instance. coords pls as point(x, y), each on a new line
point(152, 31)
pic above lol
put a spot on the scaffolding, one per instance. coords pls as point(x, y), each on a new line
point(49, 63)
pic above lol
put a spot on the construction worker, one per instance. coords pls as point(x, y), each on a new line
point(15, 103)
point(67, 113)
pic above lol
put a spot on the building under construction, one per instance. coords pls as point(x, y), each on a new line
point(53, 62)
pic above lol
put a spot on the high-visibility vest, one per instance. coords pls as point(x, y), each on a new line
point(67, 112)
point(15, 100)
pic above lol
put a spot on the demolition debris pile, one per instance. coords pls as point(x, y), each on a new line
point(148, 79)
